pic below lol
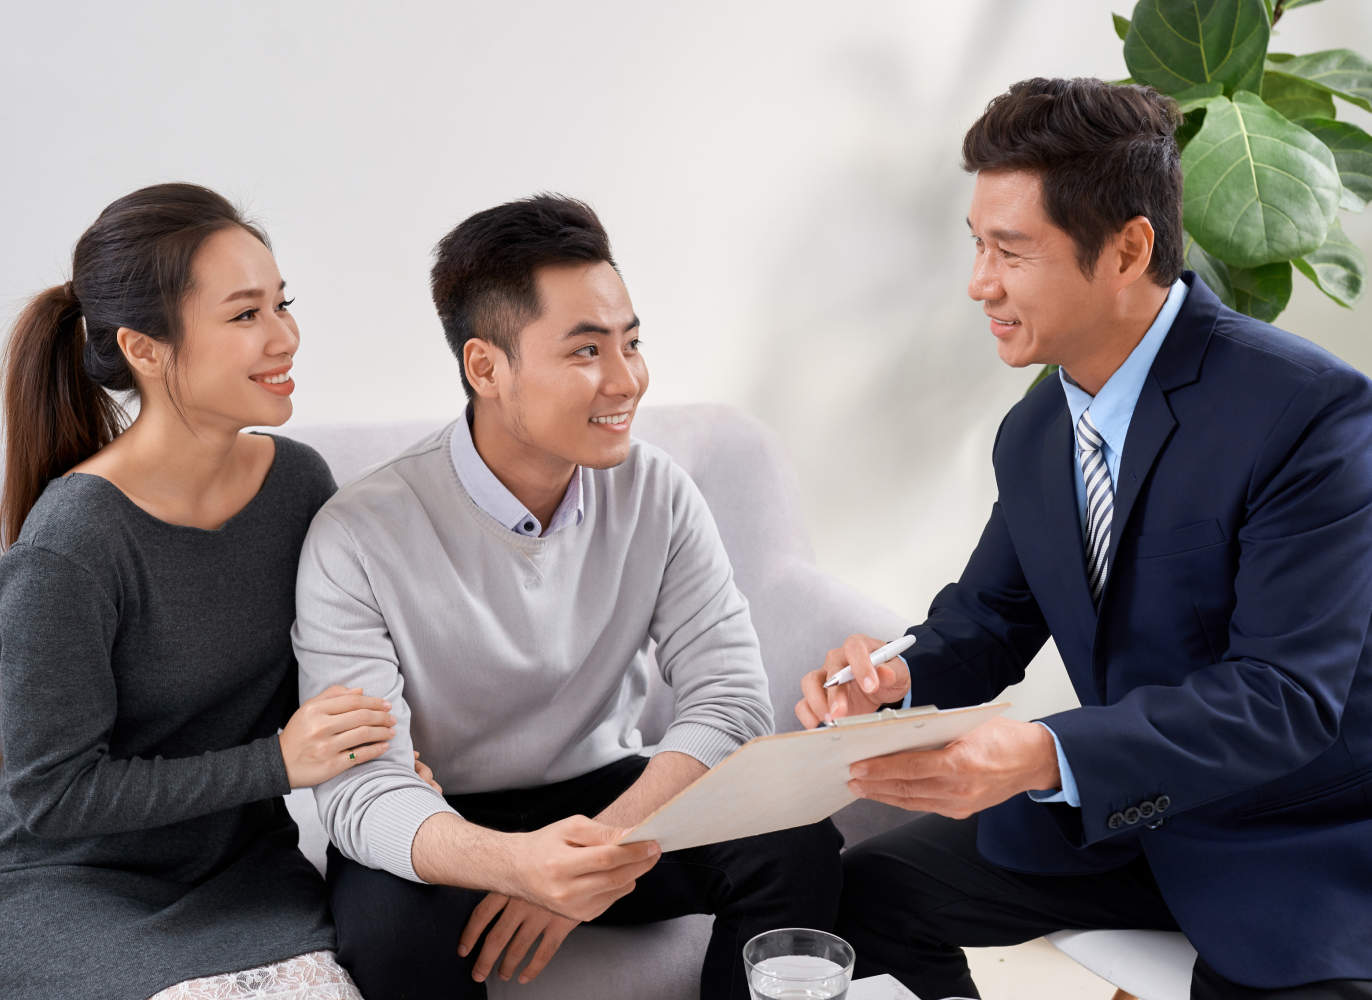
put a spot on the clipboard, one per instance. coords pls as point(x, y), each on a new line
point(794, 779)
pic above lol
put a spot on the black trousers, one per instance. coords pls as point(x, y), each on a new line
point(398, 938)
point(914, 897)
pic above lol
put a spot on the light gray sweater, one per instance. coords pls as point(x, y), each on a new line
point(515, 662)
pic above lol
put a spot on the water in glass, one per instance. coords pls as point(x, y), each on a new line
point(798, 977)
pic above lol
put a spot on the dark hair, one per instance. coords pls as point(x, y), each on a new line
point(1105, 153)
point(483, 278)
point(131, 268)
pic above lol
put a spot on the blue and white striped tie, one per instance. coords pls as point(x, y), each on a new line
point(1100, 504)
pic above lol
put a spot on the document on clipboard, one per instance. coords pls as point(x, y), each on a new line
point(795, 779)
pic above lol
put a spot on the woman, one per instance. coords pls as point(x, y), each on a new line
point(146, 600)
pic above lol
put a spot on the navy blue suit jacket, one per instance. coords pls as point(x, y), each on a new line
point(1228, 668)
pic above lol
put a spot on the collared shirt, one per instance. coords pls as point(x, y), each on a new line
point(1112, 409)
point(490, 494)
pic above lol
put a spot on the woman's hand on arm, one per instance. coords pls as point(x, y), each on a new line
point(332, 731)
point(870, 688)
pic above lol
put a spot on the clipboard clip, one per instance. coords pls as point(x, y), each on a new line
point(886, 714)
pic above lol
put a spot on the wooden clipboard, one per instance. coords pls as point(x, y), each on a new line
point(795, 779)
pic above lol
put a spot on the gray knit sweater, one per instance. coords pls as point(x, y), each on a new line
point(515, 662)
point(145, 669)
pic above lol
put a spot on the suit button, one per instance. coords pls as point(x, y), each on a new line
point(1157, 823)
point(1162, 802)
point(1131, 815)
point(1115, 821)
point(1146, 809)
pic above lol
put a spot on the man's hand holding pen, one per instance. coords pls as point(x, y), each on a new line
point(870, 688)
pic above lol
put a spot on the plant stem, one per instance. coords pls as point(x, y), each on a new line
point(1277, 10)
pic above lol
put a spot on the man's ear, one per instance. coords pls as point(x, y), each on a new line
point(482, 362)
point(144, 355)
point(1133, 250)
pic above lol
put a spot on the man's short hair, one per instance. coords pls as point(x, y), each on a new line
point(1105, 154)
point(483, 278)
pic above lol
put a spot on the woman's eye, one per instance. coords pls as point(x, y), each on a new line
point(245, 315)
point(285, 305)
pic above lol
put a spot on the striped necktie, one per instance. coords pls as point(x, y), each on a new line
point(1100, 504)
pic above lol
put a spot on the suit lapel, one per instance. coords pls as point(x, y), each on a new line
point(1061, 517)
point(1149, 428)
point(1178, 363)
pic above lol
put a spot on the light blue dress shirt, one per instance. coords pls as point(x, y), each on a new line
point(490, 494)
point(1111, 411)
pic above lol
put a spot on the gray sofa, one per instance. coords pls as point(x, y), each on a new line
point(743, 470)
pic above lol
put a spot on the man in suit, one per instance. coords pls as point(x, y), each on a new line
point(1186, 508)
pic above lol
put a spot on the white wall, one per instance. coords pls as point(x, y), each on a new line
point(779, 178)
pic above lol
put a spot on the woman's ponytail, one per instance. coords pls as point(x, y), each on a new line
point(55, 415)
point(132, 268)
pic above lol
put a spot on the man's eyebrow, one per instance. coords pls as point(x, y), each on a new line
point(585, 326)
point(1003, 235)
point(250, 293)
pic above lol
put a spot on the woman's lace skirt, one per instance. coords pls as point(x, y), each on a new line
point(316, 976)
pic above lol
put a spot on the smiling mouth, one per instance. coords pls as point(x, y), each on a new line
point(613, 418)
point(281, 379)
point(1004, 322)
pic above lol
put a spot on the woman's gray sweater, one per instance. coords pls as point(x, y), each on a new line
point(145, 669)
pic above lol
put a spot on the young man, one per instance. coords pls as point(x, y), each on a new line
point(1187, 510)
point(500, 583)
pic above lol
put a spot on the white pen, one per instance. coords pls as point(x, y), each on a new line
point(887, 652)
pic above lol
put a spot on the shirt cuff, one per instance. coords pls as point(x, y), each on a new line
point(909, 695)
point(1068, 792)
point(705, 743)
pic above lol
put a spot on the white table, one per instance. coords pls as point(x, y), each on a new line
point(878, 988)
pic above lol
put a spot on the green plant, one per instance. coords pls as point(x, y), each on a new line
point(1267, 163)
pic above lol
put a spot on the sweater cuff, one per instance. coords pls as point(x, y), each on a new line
point(705, 743)
point(269, 763)
point(393, 821)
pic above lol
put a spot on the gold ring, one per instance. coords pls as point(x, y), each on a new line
point(352, 756)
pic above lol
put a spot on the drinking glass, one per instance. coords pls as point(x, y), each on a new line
point(795, 963)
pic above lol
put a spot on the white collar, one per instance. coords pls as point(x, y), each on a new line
point(490, 493)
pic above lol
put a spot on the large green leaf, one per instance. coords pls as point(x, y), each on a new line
point(1198, 97)
point(1258, 188)
point(1192, 102)
point(1343, 71)
point(1338, 268)
point(1174, 45)
point(1352, 149)
point(1214, 273)
point(1296, 97)
point(1262, 292)
point(1121, 29)
point(1293, 4)
point(1189, 127)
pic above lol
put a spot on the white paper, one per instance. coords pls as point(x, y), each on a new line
point(793, 779)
